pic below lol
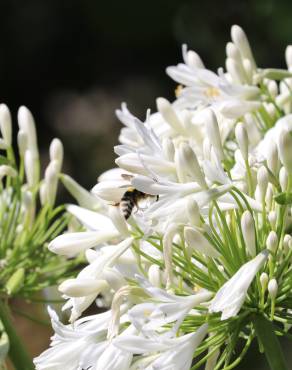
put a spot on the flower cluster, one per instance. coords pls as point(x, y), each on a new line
point(29, 218)
point(190, 250)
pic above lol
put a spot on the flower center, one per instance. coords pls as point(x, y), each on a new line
point(212, 92)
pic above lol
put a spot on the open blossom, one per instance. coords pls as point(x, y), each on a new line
point(205, 254)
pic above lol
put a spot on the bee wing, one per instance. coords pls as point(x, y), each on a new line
point(127, 177)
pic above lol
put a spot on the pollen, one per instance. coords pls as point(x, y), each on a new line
point(212, 92)
point(178, 90)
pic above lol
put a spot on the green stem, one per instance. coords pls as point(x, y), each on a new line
point(269, 341)
point(17, 352)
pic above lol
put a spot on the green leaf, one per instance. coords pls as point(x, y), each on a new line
point(283, 198)
point(268, 339)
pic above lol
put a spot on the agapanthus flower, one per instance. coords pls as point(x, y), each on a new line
point(203, 267)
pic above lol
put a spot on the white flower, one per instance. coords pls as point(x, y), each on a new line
point(231, 295)
point(175, 353)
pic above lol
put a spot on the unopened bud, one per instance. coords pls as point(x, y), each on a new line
point(273, 158)
point(248, 232)
point(27, 124)
point(264, 278)
point(7, 171)
point(263, 180)
point(273, 288)
point(285, 150)
point(213, 132)
point(286, 243)
point(154, 275)
point(5, 124)
point(57, 152)
point(283, 178)
point(272, 241)
point(169, 114)
point(193, 212)
point(288, 56)
point(22, 142)
point(242, 139)
point(239, 38)
point(272, 217)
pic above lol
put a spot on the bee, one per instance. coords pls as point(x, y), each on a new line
point(131, 199)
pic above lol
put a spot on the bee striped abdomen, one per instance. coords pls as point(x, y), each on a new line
point(127, 203)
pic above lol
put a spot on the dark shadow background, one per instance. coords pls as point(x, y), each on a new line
point(73, 62)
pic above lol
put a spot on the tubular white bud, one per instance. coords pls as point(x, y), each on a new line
point(169, 114)
point(239, 38)
point(84, 198)
point(264, 278)
point(247, 65)
point(234, 68)
point(5, 124)
point(81, 287)
point(43, 194)
point(272, 88)
point(51, 181)
point(22, 142)
point(168, 148)
point(283, 178)
point(113, 277)
point(57, 152)
point(198, 242)
point(286, 243)
point(154, 275)
point(272, 242)
point(26, 123)
point(273, 158)
point(242, 139)
point(269, 196)
point(167, 252)
point(273, 288)
point(191, 165)
point(191, 58)
point(272, 217)
point(263, 180)
point(285, 150)
point(288, 56)
point(213, 133)
point(31, 168)
point(248, 232)
point(193, 212)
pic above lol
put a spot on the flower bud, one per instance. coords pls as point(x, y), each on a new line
point(167, 252)
point(26, 124)
point(31, 168)
point(114, 278)
point(242, 139)
point(191, 165)
point(193, 212)
point(263, 180)
point(15, 282)
point(7, 171)
point(57, 152)
point(235, 70)
point(272, 217)
point(272, 242)
point(51, 181)
point(154, 275)
point(273, 158)
point(198, 242)
point(239, 38)
point(169, 114)
point(213, 132)
point(5, 124)
point(285, 150)
point(247, 65)
point(264, 278)
point(269, 196)
point(283, 178)
point(248, 232)
point(22, 142)
point(286, 243)
point(273, 288)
